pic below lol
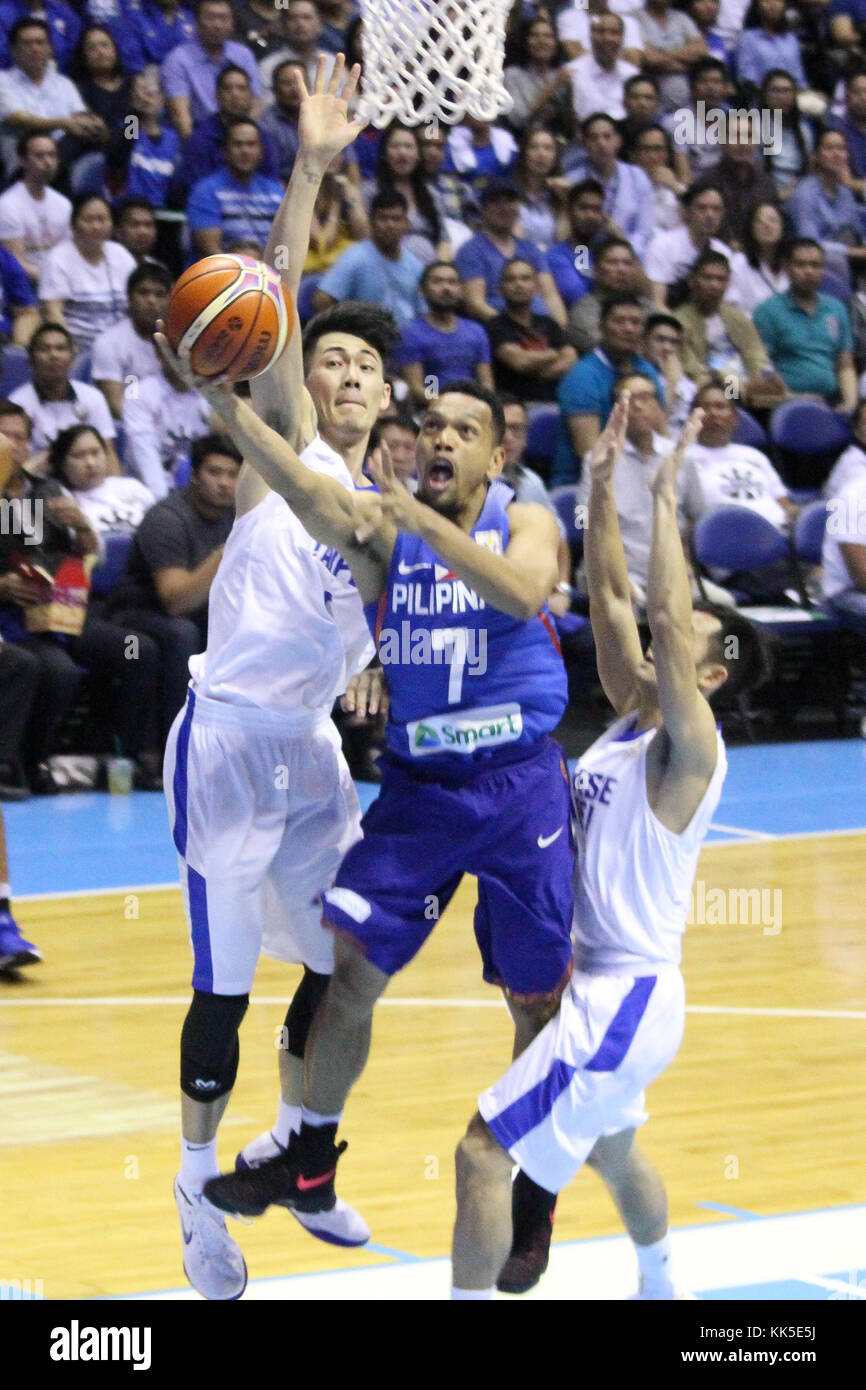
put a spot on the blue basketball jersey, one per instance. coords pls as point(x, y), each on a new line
point(465, 679)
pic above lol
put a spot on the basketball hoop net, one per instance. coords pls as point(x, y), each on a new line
point(429, 59)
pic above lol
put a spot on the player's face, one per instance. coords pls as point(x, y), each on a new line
point(347, 384)
point(86, 464)
point(456, 452)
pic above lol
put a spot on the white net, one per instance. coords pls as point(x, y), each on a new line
point(426, 59)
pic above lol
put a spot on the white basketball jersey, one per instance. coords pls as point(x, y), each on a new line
point(634, 876)
point(283, 631)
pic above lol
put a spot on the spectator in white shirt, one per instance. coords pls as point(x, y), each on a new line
point(598, 78)
point(759, 270)
point(161, 420)
point(33, 216)
point(575, 22)
point(54, 401)
point(663, 345)
point(35, 97)
point(850, 465)
point(82, 284)
point(717, 472)
point(671, 255)
point(78, 458)
point(843, 557)
point(125, 355)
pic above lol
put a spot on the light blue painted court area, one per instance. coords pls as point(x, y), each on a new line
point(90, 841)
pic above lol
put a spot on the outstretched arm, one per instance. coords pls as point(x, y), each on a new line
point(617, 643)
point(324, 129)
point(688, 720)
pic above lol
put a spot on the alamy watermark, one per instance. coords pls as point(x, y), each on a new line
point(22, 516)
point(736, 907)
point(716, 126)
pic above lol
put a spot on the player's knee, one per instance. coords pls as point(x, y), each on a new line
point(479, 1158)
point(209, 1049)
point(355, 984)
point(307, 998)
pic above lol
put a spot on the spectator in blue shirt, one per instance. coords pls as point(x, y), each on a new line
point(190, 71)
point(336, 16)
point(585, 394)
point(845, 19)
point(823, 208)
point(280, 121)
point(808, 334)
point(482, 259)
point(628, 193)
point(766, 43)
point(63, 22)
point(380, 269)
point(478, 151)
point(156, 28)
point(204, 151)
point(19, 312)
point(853, 126)
point(236, 202)
point(571, 261)
point(144, 166)
point(440, 346)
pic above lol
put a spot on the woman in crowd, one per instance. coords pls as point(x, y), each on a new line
point(100, 77)
point(77, 458)
point(339, 220)
point(779, 95)
point(83, 281)
point(653, 152)
point(543, 190)
point(539, 83)
point(399, 168)
point(766, 43)
point(758, 271)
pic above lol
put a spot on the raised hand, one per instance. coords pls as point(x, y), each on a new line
point(610, 443)
point(398, 505)
point(216, 390)
point(667, 474)
point(324, 127)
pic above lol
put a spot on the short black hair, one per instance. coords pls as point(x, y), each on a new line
point(741, 647)
point(587, 125)
point(586, 186)
point(149, 273)
point(663, 321)
point(24, 140)
point(48, 328)
point(436, 265)
point(213, 444)
point(467, 387)
point(702, 65)
point(629, 376)
point(388, 198)
point(614, 243)
point(27, 23)
point(133, 204)
point(637, 77)
point(376, 326)
point(799, 242)
point(515, 260)
point(715, 382)
point(507, 398)
point(617, 301)
point(710, 257)
point(227, 72)
point(8, 407)
point(232, 124)
point(695, 190)
point(80, 201)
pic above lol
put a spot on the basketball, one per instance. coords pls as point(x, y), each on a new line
point(233, 314)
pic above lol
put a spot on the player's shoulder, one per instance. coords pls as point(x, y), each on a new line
point(531, 516)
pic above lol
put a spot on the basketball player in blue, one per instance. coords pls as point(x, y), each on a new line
point(644, 795)
point(261, 802)
point(455, 583)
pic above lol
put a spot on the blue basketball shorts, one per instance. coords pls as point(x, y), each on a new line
point(510, 826)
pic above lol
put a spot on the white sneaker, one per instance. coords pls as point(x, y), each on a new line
point(342, 1225)
point(676, 1296)
point(212, 1262)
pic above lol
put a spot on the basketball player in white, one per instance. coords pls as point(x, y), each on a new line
point(261, 802)
point(644, 795)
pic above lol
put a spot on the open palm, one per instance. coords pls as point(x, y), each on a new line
point(324, 126)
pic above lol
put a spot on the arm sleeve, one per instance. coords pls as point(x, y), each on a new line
point(173, 78)
point(11, 225)
point(470, 263)
point(100, 415)
point(53, 278)
point(766, 326)
point(340, 279)
point(482, 342)
point(16, 286)
point(104, 361)
point(409, 350)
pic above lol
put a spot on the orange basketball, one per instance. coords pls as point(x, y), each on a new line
point(233, 314)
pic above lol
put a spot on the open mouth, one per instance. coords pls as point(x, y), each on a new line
point(439, 474)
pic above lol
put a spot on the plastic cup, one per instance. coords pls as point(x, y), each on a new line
point(120, 773)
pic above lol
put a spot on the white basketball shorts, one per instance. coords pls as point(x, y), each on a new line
point(583, 1077)
point(262, 810)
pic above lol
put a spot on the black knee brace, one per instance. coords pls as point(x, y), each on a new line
point(306, 1000)
point(209, 1048)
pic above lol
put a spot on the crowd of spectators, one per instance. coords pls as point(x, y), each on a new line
point(675, 201)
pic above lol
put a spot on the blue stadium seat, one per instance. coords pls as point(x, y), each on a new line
point(808, 428)
point(808, 535)
point(748, 431)
point(87, 174)
point(14, 369)
point(543, 432)
point(105, 577)
point(564, 499)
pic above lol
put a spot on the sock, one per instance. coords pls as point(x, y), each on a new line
point(312, 1117)
point(198, 1162)
point(288, 1123)
point(474, 1294)
point(318, 1136)
point(5, 895)
point(656, 1266)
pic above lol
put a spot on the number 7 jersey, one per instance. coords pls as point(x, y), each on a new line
point(465, 679)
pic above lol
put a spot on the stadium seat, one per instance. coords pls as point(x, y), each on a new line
point(14, 369)
point(748, 431)
point(564, 499)
point(809, 437)
point(87, 174)
point(543, 432)
point(104, 578)
point(808, 535)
